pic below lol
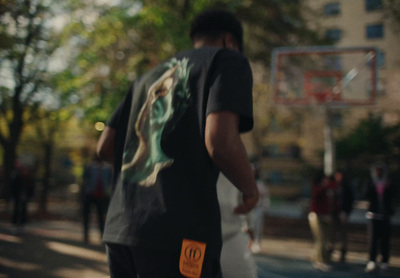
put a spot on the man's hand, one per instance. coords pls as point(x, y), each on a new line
point(248, 203)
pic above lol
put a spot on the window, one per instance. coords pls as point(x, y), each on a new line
point(337, 119)
point(333, 34)
point(373, 5)
point(374, 31)
point(380, 59)
point(274, 124)
point(271, 150)
point(331, 9)
point(380, 87)
point(275, 177)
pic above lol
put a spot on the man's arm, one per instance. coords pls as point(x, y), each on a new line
point(226, 149)
point(105, 145)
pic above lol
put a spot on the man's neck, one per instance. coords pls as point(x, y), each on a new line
point(205, 43)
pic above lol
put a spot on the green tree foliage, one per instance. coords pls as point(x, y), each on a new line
point(101, 48)
point(393, 9)
point(368, 141)
point(119, 44)
point(275, 23)
point(23, 65)
point(127, 39)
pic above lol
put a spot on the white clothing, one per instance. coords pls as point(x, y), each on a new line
point(236, 258)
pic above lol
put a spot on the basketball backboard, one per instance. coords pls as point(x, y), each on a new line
point(335, 77)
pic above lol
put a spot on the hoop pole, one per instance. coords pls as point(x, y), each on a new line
point(329, 146)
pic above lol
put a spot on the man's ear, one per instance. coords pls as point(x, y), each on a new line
point(230, 42)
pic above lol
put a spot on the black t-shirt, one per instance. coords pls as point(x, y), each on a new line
point(167, 187)
point(119, 122)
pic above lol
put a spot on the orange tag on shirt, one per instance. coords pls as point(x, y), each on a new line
point(192, 257)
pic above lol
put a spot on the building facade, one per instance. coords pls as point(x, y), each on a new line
point(347, 24)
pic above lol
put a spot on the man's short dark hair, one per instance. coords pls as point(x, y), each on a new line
point(215, 23)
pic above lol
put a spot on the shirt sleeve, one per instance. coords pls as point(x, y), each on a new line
point(231, 85)
point(112, 122)
point(119, 122)
point(121, 112)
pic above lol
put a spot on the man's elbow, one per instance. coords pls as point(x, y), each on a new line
point(219, 149)
point(101, 152)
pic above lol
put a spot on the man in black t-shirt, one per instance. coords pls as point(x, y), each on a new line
point(177, 128)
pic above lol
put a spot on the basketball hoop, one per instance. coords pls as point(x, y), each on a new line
point(322, 78)
point(323, 86)
point(338, 76)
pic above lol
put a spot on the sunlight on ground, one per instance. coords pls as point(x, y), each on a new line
point(68, 273)
point(77, 251)
point(10, 238)
point(19, 265)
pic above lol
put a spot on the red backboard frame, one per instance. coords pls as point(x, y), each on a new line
point(331, 97)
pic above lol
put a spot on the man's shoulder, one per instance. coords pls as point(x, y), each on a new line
point(212, 54)
point(199, 57)
point(204, 55)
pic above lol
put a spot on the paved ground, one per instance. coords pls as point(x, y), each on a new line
point(52, 247)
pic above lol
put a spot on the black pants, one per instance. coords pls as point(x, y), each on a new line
point(101, 207)
point(379, 236)
point(20, 211)
point(132, 261)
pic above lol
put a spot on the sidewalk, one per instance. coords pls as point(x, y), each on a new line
point(50, 249)
point(54, 249)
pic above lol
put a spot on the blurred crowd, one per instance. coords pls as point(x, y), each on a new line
point(330, 207)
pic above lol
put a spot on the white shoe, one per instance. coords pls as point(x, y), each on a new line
point(322, 266)
point(371, 266)
point(384, 266)
point(255, 248)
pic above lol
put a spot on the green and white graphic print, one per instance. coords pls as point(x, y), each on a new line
point(166, 101)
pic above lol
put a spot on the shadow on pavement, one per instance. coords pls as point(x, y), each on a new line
point(49, 250)
point(51, 246)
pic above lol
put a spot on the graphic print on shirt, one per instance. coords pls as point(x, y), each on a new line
point(167, 100)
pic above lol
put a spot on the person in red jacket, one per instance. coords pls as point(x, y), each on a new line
point(324, 208)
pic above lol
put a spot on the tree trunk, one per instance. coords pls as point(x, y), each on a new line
point(48, 154)
point(9, 156)
point(10, 144)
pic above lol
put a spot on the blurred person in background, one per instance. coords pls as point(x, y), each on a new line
point(379, 193)
point(22, 190)
point(257, 215)
point(346, 199)
point(96, 189)
point(324, 207)
point(236, 258)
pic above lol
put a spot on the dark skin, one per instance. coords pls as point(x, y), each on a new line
point(105, 145)
point(226, 149)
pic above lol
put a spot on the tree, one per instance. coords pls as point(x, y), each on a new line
point(393, 9)
point(23, 67)
point(276, 23)
point(121, 43)
point(370, 140)
point(133, 36)
point(47, 125)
